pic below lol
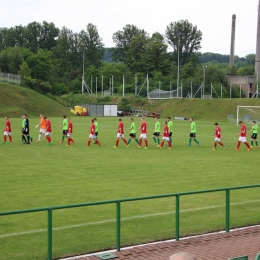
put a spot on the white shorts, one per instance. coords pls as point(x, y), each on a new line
point(142, 136)
point(7, 133)
point(69, 134)
point(91, 136)
point(120, 135)
point(166, 138)
point(47, 133)
point(217, 139)
point(242, 139)
point(42, 131)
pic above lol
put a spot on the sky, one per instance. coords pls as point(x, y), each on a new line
point(212, 17)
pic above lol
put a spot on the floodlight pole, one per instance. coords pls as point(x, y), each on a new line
point(83, 77)
point(178, 74)
point(204, 77)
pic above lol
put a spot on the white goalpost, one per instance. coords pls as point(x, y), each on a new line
point(248, 113)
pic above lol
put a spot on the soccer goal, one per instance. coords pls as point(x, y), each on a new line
point(162, 94)
point(247, 114)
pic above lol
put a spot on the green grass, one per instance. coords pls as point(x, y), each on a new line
point(34, 176)
point(16, 100)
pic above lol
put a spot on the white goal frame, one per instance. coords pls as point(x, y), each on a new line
point(238, 107)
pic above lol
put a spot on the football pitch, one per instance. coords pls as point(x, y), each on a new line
point(37, 175)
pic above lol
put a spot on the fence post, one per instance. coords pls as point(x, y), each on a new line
point(118, 226)
point(227, 210)
point(49, 243)
point(177, 222)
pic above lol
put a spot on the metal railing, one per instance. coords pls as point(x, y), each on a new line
point(118, 211)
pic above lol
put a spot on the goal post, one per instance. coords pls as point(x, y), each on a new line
point(250, 113)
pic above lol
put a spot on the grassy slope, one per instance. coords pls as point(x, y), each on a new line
point(15, 100)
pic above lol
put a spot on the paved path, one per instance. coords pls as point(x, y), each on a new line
point(220, 246)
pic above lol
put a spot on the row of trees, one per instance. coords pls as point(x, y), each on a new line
point(50, 60)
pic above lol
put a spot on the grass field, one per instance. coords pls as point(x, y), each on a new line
point(36, 175)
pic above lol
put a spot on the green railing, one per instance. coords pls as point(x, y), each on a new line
point(118, 211)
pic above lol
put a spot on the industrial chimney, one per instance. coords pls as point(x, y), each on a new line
point(257, 56)
point(232, 46)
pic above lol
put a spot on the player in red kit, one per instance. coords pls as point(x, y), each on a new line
point(143, 134)
point(120, 134)
point(242, 137)
point(69, 133)
point(166, 136)
point(218, 137)
point(92, 132)
point(48, 130)
point(7, 130)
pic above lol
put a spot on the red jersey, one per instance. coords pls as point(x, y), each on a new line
point(70, 127)
point(218, 132)
point(166, 131)
point(143, 128)
point(92, 129)
point(243, 131)
point(48, 126)
point(8, 126)
point(120, 128)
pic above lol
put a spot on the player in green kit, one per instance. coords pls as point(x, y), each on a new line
point(132, 131)
point(64, 129)
point(193, 133)
point(157, 130)
point(254, 134)
point(170, 128)
point(96, 129)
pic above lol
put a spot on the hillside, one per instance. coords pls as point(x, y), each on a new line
point(16, 100)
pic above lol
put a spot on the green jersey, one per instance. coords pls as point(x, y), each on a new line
point(133, 129)
point(255, 129)
point(96, 126)
point(157, 127)
point(65, 124)
point(23, 123)
point(193, 127)
point(170, 126)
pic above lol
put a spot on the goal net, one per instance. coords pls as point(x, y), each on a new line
point(163, 94)
point(246, 114)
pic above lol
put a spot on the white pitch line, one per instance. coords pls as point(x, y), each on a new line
point(123, 219)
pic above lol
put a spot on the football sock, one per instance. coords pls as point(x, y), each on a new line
point(256, 143)
point(129, 140)
point(154, 140)
point(74, 141)
point(248, 146)
point(158, 141)
point(97, 142)
point(23, 138)
point(146, 143)
point(252, 142)
point(28, 139)
point(125, 141)
point(62, 139)
point(238, 144)
point(189, 141)
point(169, 143)
point(140, 142)
point(221, 144)
point(215, 144)
point(10, 139)
point(170, 139)
point(89, 142)
point(5, 138)
point(117, 141)
point(69, 141)
point(195, 140)
point(162, 144)
point(39, 137)
point(137, 141)
point(48, 138)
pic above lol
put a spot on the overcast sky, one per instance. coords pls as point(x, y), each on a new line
point(212, 17)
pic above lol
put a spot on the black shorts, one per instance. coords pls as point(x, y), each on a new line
point(96, 133)
point(156, 134)
point(192, 135)
point(25, 131)
point(132, 135)
point(170, 134)
point(254, 136)
point(64, 132)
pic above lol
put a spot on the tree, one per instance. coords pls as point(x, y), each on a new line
point(91, 43)
point(122, 40)
point(187, 38)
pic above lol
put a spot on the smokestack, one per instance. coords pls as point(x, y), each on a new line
point(257, 56)
point(232, 46)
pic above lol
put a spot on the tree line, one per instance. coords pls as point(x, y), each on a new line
point(51, 60)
